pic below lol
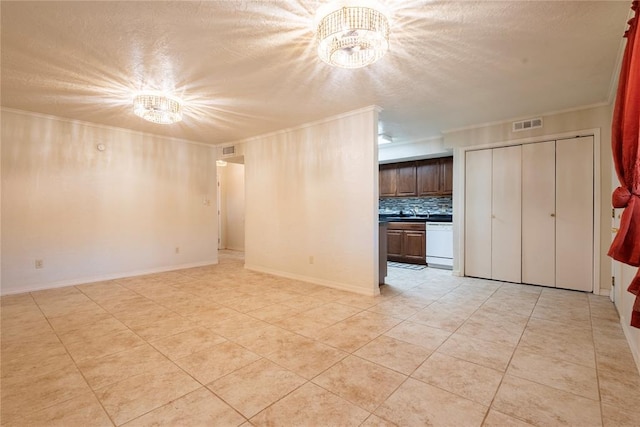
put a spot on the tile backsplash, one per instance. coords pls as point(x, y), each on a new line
point(422, 205)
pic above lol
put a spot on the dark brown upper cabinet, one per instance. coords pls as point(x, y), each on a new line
point(435, 177)
point(406, 180)
point(388, 180)
point(446, 174)
point(431, 177)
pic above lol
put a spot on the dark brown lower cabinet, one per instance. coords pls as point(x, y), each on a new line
point(414, 247)
point(406, 242)
point(394, 244)
point(382, 252)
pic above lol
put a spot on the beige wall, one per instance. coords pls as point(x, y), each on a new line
point(554, 124)
point(91, 215)
point(311, 202)
point(232, 211)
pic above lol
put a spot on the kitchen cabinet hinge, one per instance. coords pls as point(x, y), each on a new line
point(613, 213)
point(613, 281)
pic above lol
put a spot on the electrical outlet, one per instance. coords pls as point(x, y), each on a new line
point(39, 263)
point(177, 249)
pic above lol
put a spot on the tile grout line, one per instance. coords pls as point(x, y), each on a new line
point(515, 349)
point(75, 364)
point(597, 370)
point(159, 352)
point(398, 292)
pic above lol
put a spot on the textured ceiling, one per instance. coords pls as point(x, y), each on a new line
point(246, 68)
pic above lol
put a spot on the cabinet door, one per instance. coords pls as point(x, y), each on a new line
point(574, 213)
point(382, 252)
point(429, 177)
point(414, 247)
point(394, 245)
point(446, 175)
point(477, 217)
point(538, 213)
point(406, 185)
point(506, 215)
point(387, 180)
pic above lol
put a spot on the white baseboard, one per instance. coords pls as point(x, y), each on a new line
point(314, 280)
point(101, 278)
point(626, 328)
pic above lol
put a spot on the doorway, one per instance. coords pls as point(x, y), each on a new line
point(231, 205)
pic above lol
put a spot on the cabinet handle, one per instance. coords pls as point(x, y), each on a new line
point(553, 215)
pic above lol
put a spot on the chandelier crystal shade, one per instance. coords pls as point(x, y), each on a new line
point(158, 108)
point(353, 37)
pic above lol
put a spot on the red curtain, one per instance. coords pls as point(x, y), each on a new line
point(625, 134)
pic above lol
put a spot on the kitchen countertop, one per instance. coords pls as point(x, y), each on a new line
point(415, 218)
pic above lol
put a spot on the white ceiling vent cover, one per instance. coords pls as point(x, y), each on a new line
point(527, 124)
point(231, 151)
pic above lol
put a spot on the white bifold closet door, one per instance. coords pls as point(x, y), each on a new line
point(538, 213)
point(506, 218)
point(574, 213)
point(529, 213)
point(477, 220)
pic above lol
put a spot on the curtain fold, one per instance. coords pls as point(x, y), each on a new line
point(625, 135)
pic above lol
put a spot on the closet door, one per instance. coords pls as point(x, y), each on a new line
point(506, 224)
point(574, 213)
point(538, 213)
point(477, 220)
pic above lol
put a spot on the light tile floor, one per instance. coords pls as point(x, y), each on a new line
point(224, 346)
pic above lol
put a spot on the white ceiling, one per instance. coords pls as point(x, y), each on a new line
point(247, 68)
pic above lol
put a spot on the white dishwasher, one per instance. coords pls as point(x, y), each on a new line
point(440, 244)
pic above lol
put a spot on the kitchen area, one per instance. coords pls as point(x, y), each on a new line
point(415, 213)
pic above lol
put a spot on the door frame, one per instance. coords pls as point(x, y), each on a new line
point(219, 208)
point(459, 165)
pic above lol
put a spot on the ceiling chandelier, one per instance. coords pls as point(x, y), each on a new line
point(352, 36)
point(157, 108)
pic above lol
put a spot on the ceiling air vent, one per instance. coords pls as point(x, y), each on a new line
point(527, 124)
point(231, 151)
